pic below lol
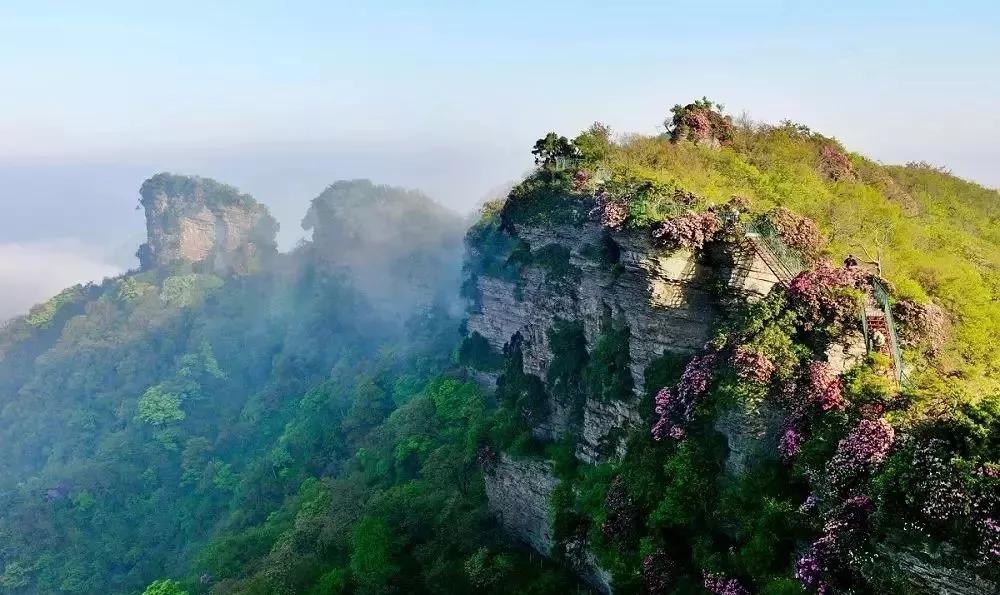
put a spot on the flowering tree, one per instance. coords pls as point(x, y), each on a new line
point(675, 407)
point(798, 232)
point(721, 585)
point(659, 573)
point(690, 230)
point(826, 297)
point(610, 209)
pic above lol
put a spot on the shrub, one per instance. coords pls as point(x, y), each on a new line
point(477, 352)
point(827, 297)
point(675, 407)
point(700, 121)
point(608, 374)
point(801, 233)
point(691, 230)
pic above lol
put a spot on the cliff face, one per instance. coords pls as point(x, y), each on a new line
point(667, 299)
point(198, 220)
point(588, 275)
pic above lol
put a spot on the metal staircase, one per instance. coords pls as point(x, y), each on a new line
point(783, 260)
point(880, 329)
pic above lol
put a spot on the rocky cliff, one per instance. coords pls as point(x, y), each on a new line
point(585, 273)
point(666, 299)
point(529, 275)
point(198, 220)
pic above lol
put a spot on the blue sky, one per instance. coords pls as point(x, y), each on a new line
point(284, 98)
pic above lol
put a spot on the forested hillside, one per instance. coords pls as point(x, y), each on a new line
point(172, 422)
point(732, 358)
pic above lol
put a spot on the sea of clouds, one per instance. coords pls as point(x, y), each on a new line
point(31, 272)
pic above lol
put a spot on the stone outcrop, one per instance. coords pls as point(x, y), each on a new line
point(668, 301)
point(519, 494)
point(751, 435)
point(198, 220)
point(664, 298)
point(931, 574)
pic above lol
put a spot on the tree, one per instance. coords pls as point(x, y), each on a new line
point(548, 151)
point(157, 407)
point(594, 143)
point(372, 555)
point(164, 587)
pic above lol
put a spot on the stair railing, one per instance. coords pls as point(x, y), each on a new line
point(785, 257)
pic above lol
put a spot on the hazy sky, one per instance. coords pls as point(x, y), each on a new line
point(282, 98)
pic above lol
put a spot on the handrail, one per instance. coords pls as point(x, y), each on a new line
point(785, 257)
point(882, 297)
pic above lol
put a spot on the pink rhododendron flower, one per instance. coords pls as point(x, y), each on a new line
point(676, 407)
point(791, 442)
point(753, 365)
point(691, 230)
point(612, 211)
point(720, 585)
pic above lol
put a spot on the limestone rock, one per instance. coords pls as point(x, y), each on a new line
point(931, 574)
point(846, 353)
point(198, 220)
point(664, 298)
point(751, 434)
point(519, 493)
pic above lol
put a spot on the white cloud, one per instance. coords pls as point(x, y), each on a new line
point(32, 272)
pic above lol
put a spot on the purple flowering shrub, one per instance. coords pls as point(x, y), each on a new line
point(944, 495)
point(690, 230)
point(827, 297)
point(722, 585)
point(865, 447)
point(699, 121)
point(828, 563)
point(676, 406)
point(659, 573)
point(798, 232)
point(753, 365)
point(790, 443)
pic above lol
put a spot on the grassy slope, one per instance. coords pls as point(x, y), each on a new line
point(940, 234)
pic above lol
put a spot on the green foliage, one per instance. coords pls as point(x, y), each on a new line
point(164, 587)
point(158, 407)
point(545, 198)
point(564, 378)
point(43, 314)
point(132, 290)
point(212, 192)
point(372, 553)
point(550, 149)
point(170, 423)
point(594, 144)
point(186, 290)
point(475, 351)
point(608, 375)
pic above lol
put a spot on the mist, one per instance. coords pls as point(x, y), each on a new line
point(30, 272)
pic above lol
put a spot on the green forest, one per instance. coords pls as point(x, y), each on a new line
point(323, 421)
